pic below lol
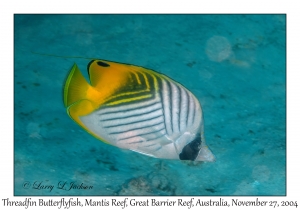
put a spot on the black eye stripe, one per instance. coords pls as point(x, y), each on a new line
point(191, 150)
point(100, 63)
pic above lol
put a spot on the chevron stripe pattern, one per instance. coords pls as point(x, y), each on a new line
point(150, 111)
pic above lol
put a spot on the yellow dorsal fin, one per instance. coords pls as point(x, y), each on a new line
point(95, 75)
point(107, 75)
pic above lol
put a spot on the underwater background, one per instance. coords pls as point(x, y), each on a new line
point(234, 64)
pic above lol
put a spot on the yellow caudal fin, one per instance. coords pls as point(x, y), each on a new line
point(75, 87)
point(77, 97)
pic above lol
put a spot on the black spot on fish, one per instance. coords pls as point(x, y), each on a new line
point(191, 150)
point(100, 63)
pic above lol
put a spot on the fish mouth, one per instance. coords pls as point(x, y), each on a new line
point(205, 155)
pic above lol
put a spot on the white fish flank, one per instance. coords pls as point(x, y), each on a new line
point(147, 118)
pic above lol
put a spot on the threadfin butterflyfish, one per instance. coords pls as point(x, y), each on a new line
point(135, 108)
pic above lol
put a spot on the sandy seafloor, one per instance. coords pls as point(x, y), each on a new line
point(234, 64)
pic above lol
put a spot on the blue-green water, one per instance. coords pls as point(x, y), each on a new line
point(234, 64)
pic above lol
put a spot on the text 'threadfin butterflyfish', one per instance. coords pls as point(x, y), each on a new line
point(135, 108)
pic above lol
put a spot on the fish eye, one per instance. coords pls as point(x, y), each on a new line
point(100, 63)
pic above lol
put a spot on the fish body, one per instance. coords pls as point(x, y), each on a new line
point(135, 108)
